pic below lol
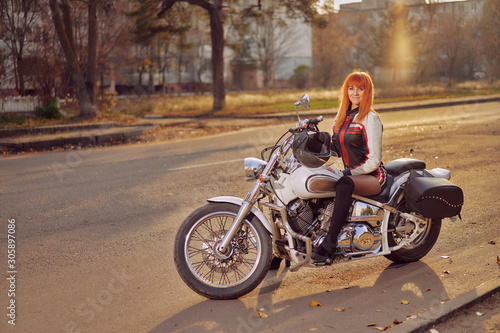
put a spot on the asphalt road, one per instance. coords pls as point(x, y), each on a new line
point(94, 233)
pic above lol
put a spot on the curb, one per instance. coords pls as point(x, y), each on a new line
point(90, 140)
point(437, 315)
point(10, 132)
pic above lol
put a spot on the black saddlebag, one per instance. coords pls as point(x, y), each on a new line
point(432, 197)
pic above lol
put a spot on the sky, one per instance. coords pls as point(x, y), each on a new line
point(337, 3)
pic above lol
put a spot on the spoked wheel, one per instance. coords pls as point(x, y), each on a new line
point(208, 271)
point(429, 232)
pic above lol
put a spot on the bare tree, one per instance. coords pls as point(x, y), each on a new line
point(471, 55)
point(449, 40)
point(84, 79)
point(214, 9)
point(336, 47)
point(490, 36)
point(45, 71)
point(424, 49)
point(79, 25)
point(273, 38)
point(18, 18)
point(305, 9)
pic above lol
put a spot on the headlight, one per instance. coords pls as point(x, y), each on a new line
point(253, 168)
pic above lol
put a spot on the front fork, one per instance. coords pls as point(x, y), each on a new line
point(235, 226)
point(247, 205)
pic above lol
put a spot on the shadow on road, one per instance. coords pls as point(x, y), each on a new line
point(344, 310)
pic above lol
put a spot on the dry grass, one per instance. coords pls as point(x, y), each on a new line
point(129, 109)
point(236, 102)
point(271, 101)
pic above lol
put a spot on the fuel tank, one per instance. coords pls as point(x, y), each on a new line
point(314, 183)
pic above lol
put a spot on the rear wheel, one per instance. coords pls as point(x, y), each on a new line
point(214, 274)
point(420, 246)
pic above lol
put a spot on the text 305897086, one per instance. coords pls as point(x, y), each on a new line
point(11, 271)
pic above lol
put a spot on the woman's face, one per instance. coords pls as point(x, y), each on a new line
point(355, 95)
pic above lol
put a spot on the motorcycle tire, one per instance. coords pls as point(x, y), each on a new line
point(216, 275)
point(420, 246)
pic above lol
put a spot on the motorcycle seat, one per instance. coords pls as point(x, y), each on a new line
point(383, 196)
point(397, 167)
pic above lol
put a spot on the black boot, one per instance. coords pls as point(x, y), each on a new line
point(325, 250)
point(344, 190)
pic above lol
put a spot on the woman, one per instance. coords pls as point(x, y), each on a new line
point(357, 138)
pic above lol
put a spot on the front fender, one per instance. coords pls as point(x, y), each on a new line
point(238, 201)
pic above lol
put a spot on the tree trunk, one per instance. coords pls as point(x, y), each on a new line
point(217, 34)
point(64, 30)
point(90, 80)
point(86, 102)
point(22, 67)
point(450, 73)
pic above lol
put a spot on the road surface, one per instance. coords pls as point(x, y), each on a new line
point(94, 233)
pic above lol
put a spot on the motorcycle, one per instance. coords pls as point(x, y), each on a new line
point(224, 249)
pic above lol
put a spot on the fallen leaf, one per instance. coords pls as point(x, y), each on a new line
point(261, 314)
point(338, 309)
point(404, 302)
point(394, 323)
point(371, 325)
point(498, 260)
point(492, 242)
point(314, 303)
point(446, 272)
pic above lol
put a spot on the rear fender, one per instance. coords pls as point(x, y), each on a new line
point(255, 211)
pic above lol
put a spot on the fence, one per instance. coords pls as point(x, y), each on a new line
point(19, 104)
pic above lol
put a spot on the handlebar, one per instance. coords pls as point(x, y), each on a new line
point(304, 124)
point(316, 120)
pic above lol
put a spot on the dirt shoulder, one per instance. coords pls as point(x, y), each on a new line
point(483, 316)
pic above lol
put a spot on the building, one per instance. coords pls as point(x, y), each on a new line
point(409, 61)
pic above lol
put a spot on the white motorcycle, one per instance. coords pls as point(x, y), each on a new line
point(224, 249)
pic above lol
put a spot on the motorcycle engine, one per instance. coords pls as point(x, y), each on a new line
point(300, 216)
point(356, 237)
point(312, 216)
point(360, 233)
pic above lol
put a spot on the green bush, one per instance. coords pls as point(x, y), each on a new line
point(49, 111)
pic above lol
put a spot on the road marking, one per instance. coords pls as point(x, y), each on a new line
point(204, 165)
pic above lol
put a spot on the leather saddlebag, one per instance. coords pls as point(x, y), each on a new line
point(432, 197)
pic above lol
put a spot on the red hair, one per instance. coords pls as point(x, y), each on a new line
point(360, 80)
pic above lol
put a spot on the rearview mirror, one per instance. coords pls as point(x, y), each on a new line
point(305, 101)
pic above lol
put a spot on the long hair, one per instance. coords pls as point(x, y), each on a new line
point(360, 80)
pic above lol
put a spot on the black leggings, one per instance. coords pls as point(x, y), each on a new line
point(344, 190)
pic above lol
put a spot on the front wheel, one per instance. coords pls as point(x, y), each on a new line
point(420, 246)
point(217, 275)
